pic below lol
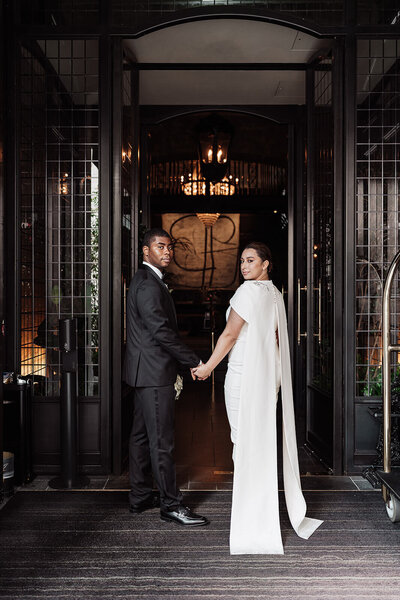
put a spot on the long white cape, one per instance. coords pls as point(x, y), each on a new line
point(255, 527)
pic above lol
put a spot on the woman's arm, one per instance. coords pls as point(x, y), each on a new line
point(225, 342)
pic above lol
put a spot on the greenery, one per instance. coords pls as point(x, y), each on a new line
point(373, 387)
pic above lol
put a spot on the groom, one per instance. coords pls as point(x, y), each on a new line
point(153, 352)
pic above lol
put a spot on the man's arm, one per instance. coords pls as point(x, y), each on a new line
point(151, 310)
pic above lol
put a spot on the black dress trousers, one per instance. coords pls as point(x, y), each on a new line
point(151, 446)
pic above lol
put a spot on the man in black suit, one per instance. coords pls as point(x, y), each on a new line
point(153, 352)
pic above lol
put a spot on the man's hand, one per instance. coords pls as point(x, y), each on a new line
point(192, 370)
point(202, 372)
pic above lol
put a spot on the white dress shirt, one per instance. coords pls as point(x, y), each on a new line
point(155, 269)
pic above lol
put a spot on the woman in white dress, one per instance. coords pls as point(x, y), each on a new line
point(256, 336)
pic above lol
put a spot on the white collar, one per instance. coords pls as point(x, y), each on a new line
point(155, 269)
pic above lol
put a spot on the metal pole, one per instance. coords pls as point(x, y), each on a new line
point(69, 477)
point(68, 429)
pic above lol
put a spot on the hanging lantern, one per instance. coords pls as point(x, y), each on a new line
point(214, 135)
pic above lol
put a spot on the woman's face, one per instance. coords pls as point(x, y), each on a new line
point(252, 267)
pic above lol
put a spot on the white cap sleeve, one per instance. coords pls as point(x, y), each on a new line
point(241, 302)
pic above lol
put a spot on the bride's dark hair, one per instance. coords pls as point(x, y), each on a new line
point(262, 251)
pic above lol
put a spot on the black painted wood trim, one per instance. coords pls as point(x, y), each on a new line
point(298, 216)
point(338, 262)
point(182, 66)
point(105, 249)
point(309, 205)
point(116, 212)
point(349, 251)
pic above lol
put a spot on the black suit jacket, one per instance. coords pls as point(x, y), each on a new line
point(153, 348)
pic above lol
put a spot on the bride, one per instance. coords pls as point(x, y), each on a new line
point(259, 363)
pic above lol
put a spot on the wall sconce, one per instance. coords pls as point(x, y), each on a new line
point(214, 138)
point(127, 154)
point(63, 187)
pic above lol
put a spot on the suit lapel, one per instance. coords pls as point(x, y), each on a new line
point(165, 291)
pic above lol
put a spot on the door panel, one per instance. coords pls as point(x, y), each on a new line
point(320, 275)
point(125, 236)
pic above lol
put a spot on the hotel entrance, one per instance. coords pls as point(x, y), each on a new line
point(222, 121)
point(103, 139)
point(277, 123)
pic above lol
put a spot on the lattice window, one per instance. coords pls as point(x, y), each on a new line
point(377, 214)
point(59, 175)
point(60, 12)
point(374, 12)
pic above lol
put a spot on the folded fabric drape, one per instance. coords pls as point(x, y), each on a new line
point(255, 526)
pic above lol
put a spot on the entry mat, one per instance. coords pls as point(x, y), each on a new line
point(80, 545)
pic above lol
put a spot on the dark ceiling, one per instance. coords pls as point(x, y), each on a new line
point(254, 139)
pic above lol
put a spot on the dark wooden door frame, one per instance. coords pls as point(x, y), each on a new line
point(119, 63)
point(336, 467)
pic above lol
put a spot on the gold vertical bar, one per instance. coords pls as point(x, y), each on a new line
point(298, 313)
point(212, 374)
point(319, 312)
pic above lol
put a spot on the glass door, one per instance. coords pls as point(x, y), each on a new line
point(322, 287)
point(125, 234)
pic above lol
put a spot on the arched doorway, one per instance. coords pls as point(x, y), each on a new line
point(283, 74)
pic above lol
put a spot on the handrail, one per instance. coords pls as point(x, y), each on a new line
point(387, 348)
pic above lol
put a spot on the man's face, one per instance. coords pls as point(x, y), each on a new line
point(159, 253)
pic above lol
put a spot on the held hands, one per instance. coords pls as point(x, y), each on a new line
point(201, 372)
point(192, 370)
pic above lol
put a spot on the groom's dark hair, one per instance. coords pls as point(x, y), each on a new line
point(151, 234)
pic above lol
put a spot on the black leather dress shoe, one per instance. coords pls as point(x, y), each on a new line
point(152, 502)
point(184, 516)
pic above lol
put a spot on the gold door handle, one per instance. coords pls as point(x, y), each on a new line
point(319, 334)
point(299, 290)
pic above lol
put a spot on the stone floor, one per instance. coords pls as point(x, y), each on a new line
point(209, 480)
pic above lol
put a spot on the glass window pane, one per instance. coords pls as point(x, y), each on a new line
point(377, 215)
point(60, 248)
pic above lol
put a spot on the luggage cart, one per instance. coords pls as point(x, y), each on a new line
point(388, 479)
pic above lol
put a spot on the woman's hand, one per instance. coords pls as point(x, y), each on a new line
point(225, 342)
point(202, 372)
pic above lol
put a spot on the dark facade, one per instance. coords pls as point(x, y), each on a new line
point(74, 197)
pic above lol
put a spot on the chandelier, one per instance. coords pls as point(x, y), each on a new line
point(199, 187)
point(214, 137)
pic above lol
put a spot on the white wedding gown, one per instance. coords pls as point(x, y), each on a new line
point(251, 386)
